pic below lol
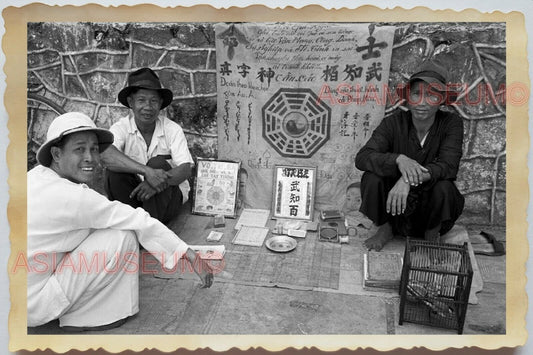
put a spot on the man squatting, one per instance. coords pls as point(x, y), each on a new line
point(410, 164)
point(69, 222)
point(151, 146)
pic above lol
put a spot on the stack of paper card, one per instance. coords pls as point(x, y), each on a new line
point(253, 218)
point(214, 236)
point(251, 236)
point(382, 270)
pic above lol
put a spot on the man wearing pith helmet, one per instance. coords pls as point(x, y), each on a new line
point(149, 162)
point(82, 248)
point(410, 164)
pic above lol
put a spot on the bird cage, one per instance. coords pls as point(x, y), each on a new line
point(435, 284)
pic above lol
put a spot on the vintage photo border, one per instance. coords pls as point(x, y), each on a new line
point(14, 46)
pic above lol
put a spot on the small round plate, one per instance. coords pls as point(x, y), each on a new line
point(281, 243)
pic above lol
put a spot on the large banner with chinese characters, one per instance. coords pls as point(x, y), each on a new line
point(299, 94)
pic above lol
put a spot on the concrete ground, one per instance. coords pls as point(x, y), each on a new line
point(173, 305)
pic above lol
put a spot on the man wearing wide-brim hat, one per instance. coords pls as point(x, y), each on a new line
point(83, 249)
point(149, 163)
point(410, 164)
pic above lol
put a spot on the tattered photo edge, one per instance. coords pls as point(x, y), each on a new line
point(14, 46)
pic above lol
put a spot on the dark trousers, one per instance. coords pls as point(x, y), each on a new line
point(428, 205)
point(164, 205)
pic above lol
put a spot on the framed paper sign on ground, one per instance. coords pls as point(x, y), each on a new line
point(293, 192)
point(215, 188)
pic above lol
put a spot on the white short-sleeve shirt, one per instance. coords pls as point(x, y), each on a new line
point(168, 139)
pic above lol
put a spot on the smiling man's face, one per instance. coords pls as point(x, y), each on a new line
point(423, 100)
point(145, 105)
point(78, 157)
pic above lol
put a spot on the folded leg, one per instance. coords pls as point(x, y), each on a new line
point(100, 279)
point(165, 205)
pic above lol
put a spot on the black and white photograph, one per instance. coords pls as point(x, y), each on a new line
point(409, 115)
point(364, 164)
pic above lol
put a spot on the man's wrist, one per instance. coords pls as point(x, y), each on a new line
point(398, 158)
point(426, 176)
point(145, 170)
point(402, 180)
point(191, 256)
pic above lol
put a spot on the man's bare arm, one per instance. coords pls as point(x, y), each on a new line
point(179, 174)
point(117, 161)
point(412, 172)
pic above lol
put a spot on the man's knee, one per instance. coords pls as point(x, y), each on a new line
point(446, 204)
point(370, 180)
point(122, 241)
point(119, 186)
point(128, 240)
point(158, 162)
point(443, 189)
point(372, 184)
point(114, 177)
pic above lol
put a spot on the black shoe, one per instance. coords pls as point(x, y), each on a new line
point(116, 324)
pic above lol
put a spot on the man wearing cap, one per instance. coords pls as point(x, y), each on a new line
point(82, 248)
point(410, 164)
point(149, 162)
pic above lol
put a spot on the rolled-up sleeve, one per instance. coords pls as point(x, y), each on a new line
point(375, 156)
point(120, 134)
point(179, 149)
point(446, 163)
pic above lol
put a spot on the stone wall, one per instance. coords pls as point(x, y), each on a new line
point(83, 66)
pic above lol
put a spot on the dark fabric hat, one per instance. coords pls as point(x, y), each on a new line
point(144, 78)
point(437, 76)
point(433, 74)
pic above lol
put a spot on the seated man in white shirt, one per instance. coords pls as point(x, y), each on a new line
point(149, 162)
point(82, 248)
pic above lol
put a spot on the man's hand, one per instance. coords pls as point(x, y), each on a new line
point(143, 191)
point(412, 172)
point(202, 269)
point(397, 198)
point(205, 273)
point(157, 178)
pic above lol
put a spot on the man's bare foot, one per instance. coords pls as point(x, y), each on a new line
point(382, 237)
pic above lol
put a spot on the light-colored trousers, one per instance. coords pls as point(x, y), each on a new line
point(109, 290)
